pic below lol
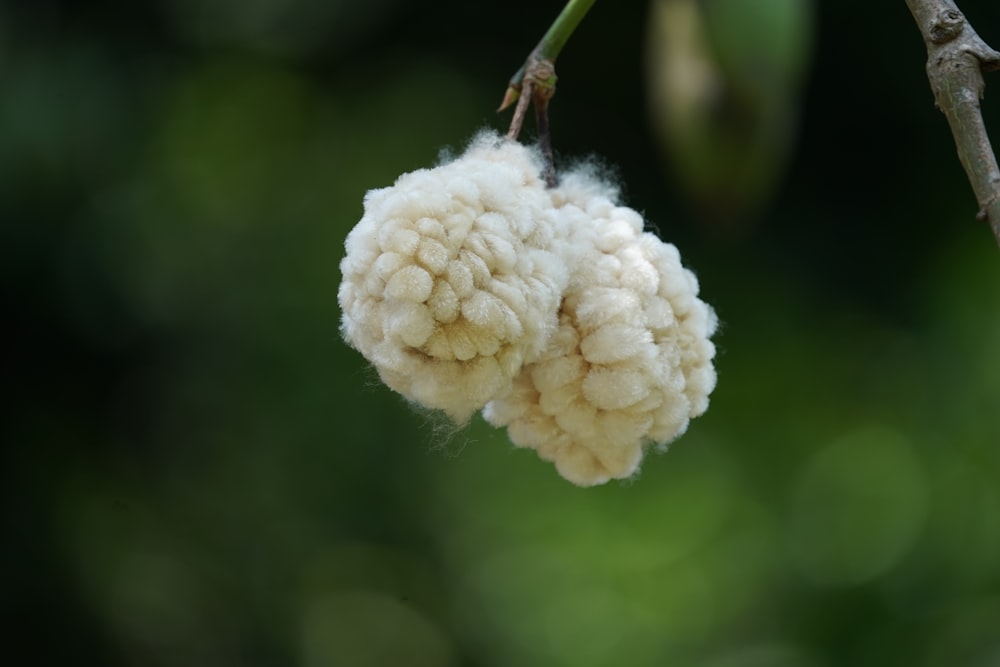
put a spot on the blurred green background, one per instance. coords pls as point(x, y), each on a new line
point(197, 471)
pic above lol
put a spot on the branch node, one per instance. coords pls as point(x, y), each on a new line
point(948, 25)
point(984, 213)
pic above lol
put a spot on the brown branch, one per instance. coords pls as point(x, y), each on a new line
point(537, 86)
point(523, 98)
point(542, 96)
point(956, 60)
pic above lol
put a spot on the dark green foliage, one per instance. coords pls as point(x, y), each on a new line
point(197, 471)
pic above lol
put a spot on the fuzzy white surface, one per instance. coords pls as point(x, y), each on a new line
point(452, 278)
point(631, 360)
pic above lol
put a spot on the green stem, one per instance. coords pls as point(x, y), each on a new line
point(561, 29)
point(535, 82)
point(551, 44)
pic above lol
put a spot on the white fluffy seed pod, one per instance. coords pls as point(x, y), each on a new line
point(451, 281)
point(631, 361)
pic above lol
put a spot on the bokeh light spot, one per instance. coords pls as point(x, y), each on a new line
point(857, 507)
point(369, 629)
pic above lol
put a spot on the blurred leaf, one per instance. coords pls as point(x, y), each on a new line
point(763, 46)
point(724, 79)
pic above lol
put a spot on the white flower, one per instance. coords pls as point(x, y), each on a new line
point(451, 281)
point(631, 360)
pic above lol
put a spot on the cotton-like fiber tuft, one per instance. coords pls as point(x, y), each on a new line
point(631, 361)
point(453, 278)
